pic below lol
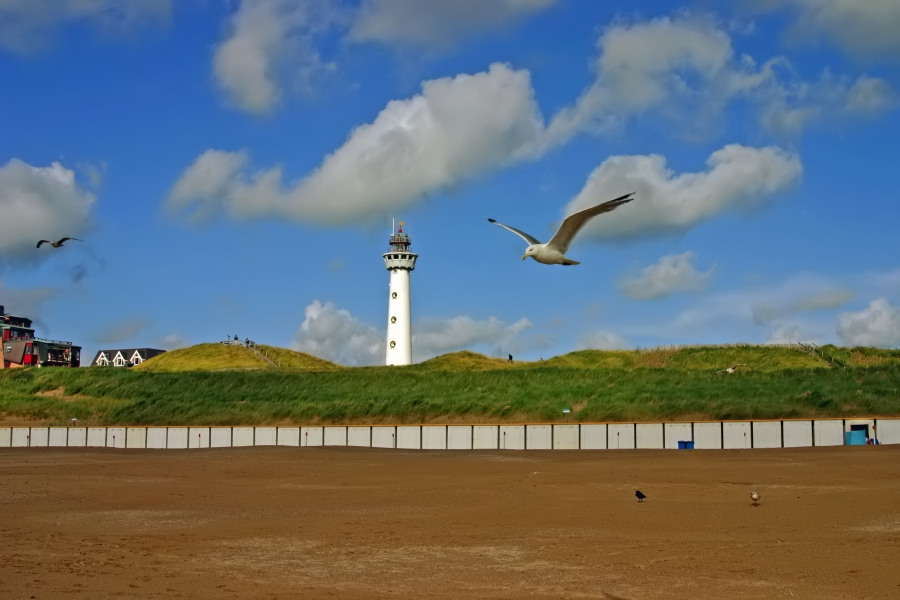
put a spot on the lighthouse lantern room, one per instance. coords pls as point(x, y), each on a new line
point(399, 261)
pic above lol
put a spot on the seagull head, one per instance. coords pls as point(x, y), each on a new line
point(529, 251)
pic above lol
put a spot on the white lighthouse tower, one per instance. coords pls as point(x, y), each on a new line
point(400, 262)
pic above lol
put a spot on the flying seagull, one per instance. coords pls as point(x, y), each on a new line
point(553, 252)
point(57, 244)
point(731, 369)
point(639, 495)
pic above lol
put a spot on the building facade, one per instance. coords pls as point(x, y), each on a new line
point(21, 348)
point(124, 357)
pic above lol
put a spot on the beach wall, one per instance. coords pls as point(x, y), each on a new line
point(707, 435)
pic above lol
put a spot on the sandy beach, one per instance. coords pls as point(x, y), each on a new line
point(369, 523)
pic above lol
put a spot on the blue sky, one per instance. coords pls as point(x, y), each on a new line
point(234, 168)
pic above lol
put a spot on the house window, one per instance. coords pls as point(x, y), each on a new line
point(119, 361)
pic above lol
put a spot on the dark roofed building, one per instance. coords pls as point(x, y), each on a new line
point(124, 357)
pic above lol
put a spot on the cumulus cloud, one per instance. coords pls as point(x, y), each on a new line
point(865, 29)
point(792, 334)
point(454, 130)
point(870, 95)
point(271, 44)
point(39, 203)
point(737, 178)
point(800, 305)
point(602, 340)
point(671, 274)
point(789, 108)
point(686, 64)
point(27, 27)
point(876, 325)
point(334, 334)
point(685, 70)
point(436, 24)
point(433, 337)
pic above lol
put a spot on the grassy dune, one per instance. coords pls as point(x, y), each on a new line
point(229, 385)
point(218, 357)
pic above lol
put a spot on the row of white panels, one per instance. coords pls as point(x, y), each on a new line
point(585, 436)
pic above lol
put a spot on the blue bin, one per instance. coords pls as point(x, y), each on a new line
point(685, 445)
point(855, 438)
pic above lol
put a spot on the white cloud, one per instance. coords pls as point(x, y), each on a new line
point(685, 70)
point(789, 108)
point(876, 325)
point(436, 24)
point(801, 305)
point(271, 44)
point(213, 177)
point(737, 178)
point(455, 129)
point(865, 29)
point(671, 274)
point(792, 334)
point(675, 66)
point(869, 95)
point(433, 337)
point(27, 27)
point(602, 340)
point(39, 203)
point(336, 335)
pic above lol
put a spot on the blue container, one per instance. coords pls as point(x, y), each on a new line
point(685, 445)
point(855, 438)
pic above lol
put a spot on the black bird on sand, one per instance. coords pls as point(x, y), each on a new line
point(58, 243)
point(639, 495)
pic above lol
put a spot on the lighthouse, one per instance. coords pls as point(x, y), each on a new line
point(400, 262)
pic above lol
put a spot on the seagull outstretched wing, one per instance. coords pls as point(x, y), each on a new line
point(521, 234)
point(57, 243)
point(573, 223)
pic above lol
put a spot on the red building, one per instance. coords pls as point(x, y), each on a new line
point(22, 349)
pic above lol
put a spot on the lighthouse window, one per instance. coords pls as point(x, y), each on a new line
point(394, 295)
point(393, 344)
point(393, 319)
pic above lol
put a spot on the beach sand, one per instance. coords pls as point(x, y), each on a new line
point(369, 523)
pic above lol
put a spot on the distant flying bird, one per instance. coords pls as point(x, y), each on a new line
point(553, 252)
point(731, 369)
point(57, 244)
point(755, 497)
point(639, 495)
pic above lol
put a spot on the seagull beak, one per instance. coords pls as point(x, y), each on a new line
point(524, 256)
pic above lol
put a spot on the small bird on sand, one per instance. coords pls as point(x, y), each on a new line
point(731, 369)
point(553, 252)
point(58, 243)
point(639, 495)
point(754, 495)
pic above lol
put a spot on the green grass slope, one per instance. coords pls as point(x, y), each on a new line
point(228, 385)
point(217, 357)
